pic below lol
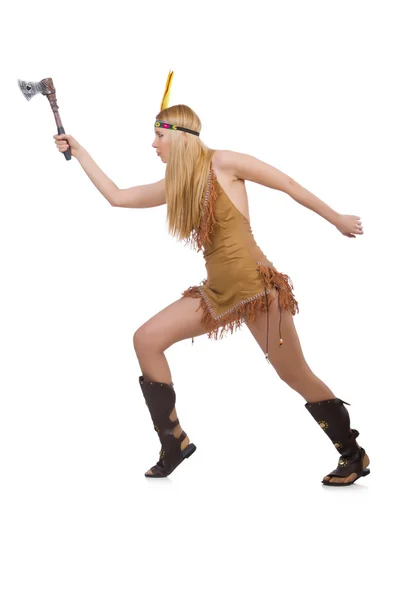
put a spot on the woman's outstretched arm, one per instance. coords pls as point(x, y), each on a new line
point(138, 196)
point(245, 166)
point(102, 182)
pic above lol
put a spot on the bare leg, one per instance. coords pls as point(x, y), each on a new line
point(179, 321)
point(288, 359)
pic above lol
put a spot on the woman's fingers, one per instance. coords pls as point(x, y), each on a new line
point(62, 145)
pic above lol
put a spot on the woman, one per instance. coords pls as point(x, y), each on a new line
point(207, 207)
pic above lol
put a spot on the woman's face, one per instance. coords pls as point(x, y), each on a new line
point(161, 142)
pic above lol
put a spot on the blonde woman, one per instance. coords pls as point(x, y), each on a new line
point(207, 208)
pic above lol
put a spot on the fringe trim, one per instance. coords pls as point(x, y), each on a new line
point(219, 325)
point(198, 237)
point(281, 281)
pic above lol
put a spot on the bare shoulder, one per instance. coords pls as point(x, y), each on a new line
point(222, 163)
point(238, 165)
point(223, 169)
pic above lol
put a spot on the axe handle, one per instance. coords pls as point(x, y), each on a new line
point(68, 154)
point(52, 99)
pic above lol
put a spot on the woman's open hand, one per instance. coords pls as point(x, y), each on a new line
point(349, 225)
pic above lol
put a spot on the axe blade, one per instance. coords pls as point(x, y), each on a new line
point(31, 88)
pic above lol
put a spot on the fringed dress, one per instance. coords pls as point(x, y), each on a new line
point(240, 278)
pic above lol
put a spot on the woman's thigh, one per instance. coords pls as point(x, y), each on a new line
point(287, 359)
point(178, 321)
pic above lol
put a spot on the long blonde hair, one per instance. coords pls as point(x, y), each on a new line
point(186, 173)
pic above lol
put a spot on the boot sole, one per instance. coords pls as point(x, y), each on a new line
point(363, 474)
point(186, 452)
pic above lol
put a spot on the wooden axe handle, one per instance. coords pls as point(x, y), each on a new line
point(52, 99)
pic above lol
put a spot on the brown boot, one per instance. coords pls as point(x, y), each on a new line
point(334, 420)
point(160, 400)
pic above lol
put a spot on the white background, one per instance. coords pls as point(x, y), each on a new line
point(306, 87)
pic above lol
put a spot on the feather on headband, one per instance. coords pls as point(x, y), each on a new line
point(164, 104)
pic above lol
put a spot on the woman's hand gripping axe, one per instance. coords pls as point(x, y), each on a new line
point(45, 87)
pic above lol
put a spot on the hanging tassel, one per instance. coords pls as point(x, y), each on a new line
point(279, 326)
point(167, 91)
point(267, 331)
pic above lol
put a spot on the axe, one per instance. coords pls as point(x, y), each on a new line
point(45, 87)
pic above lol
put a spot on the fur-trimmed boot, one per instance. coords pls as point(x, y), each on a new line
point(160, 400)
point(333, 418)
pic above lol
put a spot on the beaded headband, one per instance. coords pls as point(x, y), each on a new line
point(164, 104)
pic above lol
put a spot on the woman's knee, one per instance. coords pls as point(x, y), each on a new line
point(145, 339)
point(292, 372)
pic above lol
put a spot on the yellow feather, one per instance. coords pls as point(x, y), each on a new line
point(167, 91)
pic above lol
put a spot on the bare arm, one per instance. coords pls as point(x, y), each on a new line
point(101, 181)
point(248, 167)
point(309, 200)
point(141, 196)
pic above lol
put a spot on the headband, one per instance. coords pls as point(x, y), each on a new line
point(164, 104)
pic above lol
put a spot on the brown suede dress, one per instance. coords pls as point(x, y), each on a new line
point(239, 276)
